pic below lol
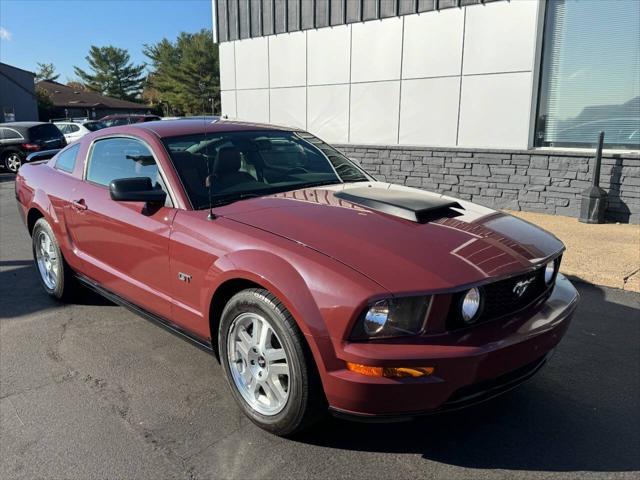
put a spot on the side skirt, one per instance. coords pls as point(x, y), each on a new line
point(168, 325)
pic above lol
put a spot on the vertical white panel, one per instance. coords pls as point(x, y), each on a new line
point(288, 107)
point(433, 44)
point(227, 66)
point(429, 111)
point(377, 47)
point(328, 115)
point(500, 37)
point(228, 100)
point(328, 55)
point(252, 66)
point(494, 110)
point(253, 105)
point(287, 53)
point(374, 112)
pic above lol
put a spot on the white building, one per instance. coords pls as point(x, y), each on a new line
point(394, 78)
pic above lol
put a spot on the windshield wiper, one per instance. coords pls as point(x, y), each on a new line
point(244, 196)
point(232, 199)
point(317, 184)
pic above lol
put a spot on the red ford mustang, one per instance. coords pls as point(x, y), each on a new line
point(315, 285)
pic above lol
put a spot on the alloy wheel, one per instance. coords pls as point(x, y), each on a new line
point(258, 363)
point(47, 259)
point(13, 162)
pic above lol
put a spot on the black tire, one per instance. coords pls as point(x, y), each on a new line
point(305, 403)
point(66, 286)
point(9, 160)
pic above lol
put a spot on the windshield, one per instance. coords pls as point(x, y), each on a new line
point(233, 165)
point(94, 126)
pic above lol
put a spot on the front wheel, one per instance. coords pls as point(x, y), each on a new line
point(55, 275)
point(267, 363)
point(12, 161)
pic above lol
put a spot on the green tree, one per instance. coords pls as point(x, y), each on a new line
point(45, 104)
point(185, 77)
point(113, 74)
point(46, 71)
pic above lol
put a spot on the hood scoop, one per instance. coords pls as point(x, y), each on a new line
point(413, 206)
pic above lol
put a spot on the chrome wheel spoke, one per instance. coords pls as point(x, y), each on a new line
point(265, 336)
point(279, 369)
point(274, 355)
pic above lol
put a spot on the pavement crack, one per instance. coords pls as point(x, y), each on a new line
point(54, 351)
point(627, 277)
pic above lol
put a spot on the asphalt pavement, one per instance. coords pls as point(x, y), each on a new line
point(91, 390)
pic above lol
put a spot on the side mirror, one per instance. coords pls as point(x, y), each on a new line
point(137, 189)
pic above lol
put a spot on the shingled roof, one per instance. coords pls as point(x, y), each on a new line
point(67, 97)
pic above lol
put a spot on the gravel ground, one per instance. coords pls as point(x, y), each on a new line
point(90, 390)
point(606, 254)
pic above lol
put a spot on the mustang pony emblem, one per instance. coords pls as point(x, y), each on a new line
point(521, 287)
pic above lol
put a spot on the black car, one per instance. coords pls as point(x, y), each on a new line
point(19, 139)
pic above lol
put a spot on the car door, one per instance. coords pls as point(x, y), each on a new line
point(124, 245)
point(73, 133)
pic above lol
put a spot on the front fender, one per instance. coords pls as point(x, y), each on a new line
point(274, 274)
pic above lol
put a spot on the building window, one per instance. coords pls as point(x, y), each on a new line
point(590, 78)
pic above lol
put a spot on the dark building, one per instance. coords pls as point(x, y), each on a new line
point(17, 95)
point(69, 102)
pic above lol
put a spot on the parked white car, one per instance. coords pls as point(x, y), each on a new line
point(73, 131)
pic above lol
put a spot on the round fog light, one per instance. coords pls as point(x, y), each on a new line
point(549, 272)
point(471, 305)
point(376, 317)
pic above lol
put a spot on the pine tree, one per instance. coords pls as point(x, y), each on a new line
point(185, 75)
point(46, 71)
point(113, 74)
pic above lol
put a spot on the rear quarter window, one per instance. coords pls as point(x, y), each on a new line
point(44, 132)
point(9, 134)
point(66, 160)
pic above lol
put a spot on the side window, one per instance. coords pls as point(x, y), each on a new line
point(66, 160)
point(9, 134)
point(72, 128)
point(114, 158)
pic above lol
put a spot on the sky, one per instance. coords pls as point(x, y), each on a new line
point(62, 31)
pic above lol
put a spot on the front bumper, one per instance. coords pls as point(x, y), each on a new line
point(470, 365)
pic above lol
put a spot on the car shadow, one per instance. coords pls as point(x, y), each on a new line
point(580, 412)
point(7, 177)
point(22, 294)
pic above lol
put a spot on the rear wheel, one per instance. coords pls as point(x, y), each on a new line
point(267, 363)
point(55, 275)
point(12, 161)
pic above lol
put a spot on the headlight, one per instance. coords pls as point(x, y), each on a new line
point(470, 305)
point(392, 318)
point(550, 272)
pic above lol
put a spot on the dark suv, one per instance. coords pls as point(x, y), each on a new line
point(118, 120)
point(19, 139)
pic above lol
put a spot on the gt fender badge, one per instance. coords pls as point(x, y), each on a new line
point(521, 287)
point(183, 277)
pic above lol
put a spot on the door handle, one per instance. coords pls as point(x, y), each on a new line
point(79, 205)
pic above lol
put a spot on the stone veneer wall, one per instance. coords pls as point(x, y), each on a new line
point(531, 180)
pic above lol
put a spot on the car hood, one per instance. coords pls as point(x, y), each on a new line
point(401, 255)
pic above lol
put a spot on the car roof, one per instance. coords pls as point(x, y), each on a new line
point(21, 125)
point(129, 115)
point(187, 126)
